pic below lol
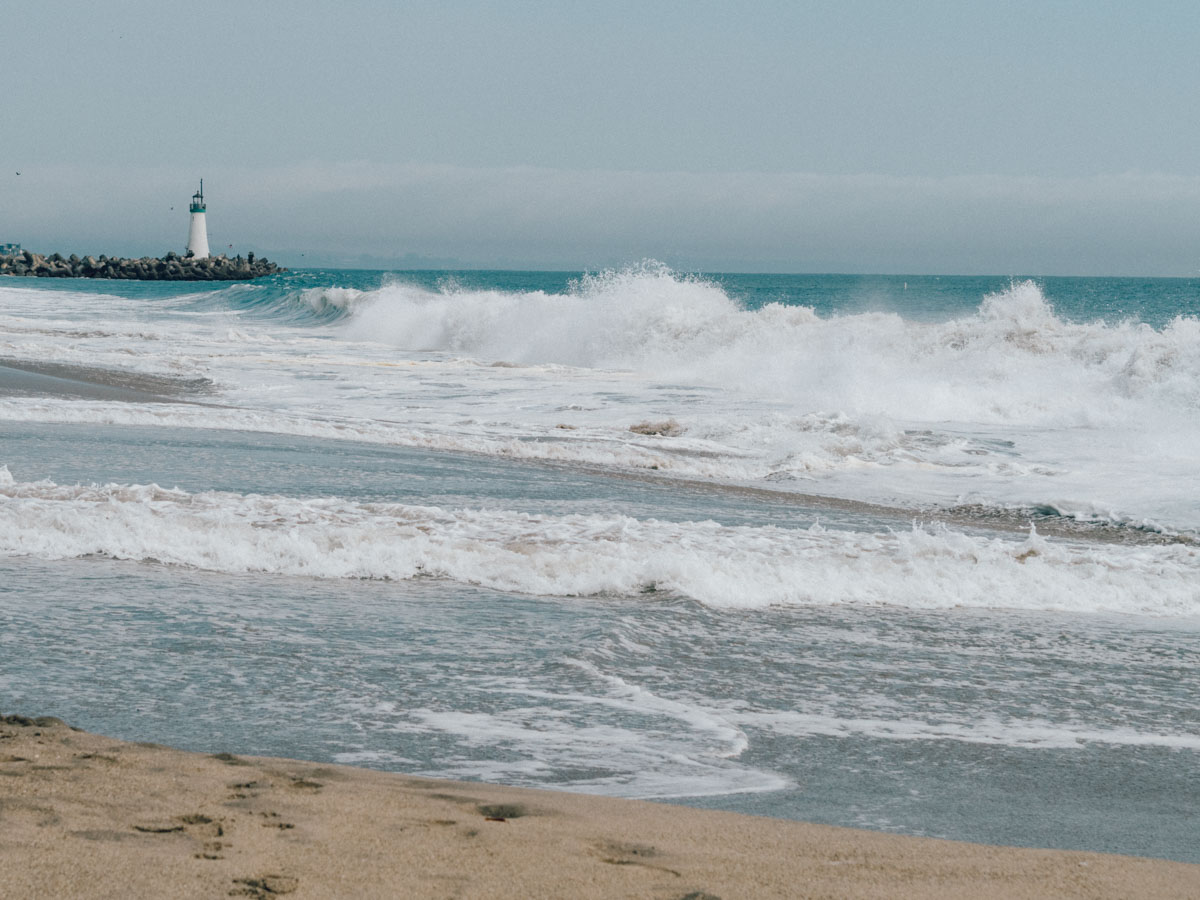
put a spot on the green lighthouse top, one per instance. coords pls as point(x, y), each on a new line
point(198, 199)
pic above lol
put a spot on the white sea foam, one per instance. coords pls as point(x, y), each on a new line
point(622, 319)
point(645, 743)
point(726, 740)
point(739, 567)
point(1030, 733)
point(649, 760)
point(1008, 406)
point(1013, 361)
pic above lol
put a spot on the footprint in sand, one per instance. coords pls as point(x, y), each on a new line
point(617, 853)
point(244, 789)
point(264, 886)
point(157, 827)
point(273, 821)
point(502, 812)
point(196, 826)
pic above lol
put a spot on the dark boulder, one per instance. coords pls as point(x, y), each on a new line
point(171, 267)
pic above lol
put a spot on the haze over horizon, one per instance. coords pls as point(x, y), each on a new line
point(920, 137)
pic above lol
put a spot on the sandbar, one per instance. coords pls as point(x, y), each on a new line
point(30, 378)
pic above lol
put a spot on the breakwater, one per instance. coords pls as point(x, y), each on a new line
point(171, 267)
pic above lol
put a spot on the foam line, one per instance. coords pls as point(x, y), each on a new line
point(588, 555)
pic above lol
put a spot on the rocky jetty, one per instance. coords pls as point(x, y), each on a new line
point(171, 267)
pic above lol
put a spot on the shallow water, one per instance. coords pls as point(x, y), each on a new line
point(1017, 728)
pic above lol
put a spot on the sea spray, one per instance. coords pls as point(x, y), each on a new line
point(1012, 361)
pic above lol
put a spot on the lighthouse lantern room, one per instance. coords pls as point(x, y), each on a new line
point(197, 244)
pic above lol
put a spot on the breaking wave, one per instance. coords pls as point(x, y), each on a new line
point(1008, 404)
point(588, 555)
point(1011, 361)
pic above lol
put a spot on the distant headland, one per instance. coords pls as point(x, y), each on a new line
point(171, 267)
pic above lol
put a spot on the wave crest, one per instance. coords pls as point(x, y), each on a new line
point(587, 555)
point(1011, 361)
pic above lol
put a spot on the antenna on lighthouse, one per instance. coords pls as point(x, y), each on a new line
point(197, 244)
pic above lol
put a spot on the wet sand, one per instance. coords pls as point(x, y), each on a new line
point(28, 378)
point(83, 815)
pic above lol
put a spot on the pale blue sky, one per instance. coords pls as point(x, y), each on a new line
point(851, 136)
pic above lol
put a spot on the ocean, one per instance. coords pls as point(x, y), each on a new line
point(914, 554)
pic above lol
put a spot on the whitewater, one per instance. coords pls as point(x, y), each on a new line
point(910, 553)
point(1005, 405)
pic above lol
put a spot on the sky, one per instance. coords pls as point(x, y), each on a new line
point(963, 137)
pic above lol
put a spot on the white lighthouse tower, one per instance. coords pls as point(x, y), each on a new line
point(198, 230)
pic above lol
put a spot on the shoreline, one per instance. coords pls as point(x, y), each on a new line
point(87, 815)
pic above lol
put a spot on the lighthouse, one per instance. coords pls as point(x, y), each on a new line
point(197, 244)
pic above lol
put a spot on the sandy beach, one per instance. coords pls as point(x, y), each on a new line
point(82, 815)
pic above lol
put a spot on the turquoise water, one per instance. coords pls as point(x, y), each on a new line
point(405, 520)
point(1154, 301)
